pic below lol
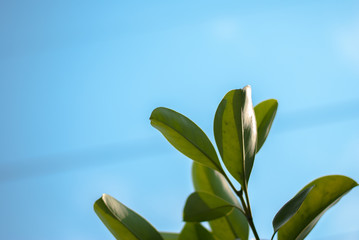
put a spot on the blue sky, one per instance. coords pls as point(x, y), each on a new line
point(79, 79)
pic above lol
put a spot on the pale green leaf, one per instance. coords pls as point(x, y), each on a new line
point(195, 231)
point(290, 208)
point(202, 206)
point(185, 136)
point(169, 236)
point(265, 113)
point(234, 225)
point(122, 222)
point(235, 131)
point(326, 192)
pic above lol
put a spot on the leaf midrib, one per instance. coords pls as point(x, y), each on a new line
point(205, 154)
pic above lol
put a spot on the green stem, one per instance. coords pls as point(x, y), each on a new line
point(254, 230)
point(273, 235)
point(246, 206)
point(239, 194)
point(250, 217)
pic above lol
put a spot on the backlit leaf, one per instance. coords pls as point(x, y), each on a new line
point(290, 208)
point(185, 136)
point(195, 231)
point(122, 222)
point(235, 131)
point(202, 206)
point(234, 225)
point(169, 236)
point(326, 192)
point(265, 113)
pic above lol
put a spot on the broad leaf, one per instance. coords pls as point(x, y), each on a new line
point(289, 209)
point(326, 192)
point(234, 225)
point(169, 236)
point(235, 131)
point(265, 113)
point(185, 136)
point(207, 180)
point(195, 231)
point(122, 222)
point(202, 206)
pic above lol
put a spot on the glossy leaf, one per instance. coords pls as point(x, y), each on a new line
point(235, 131)
point(290, 208)
point(326, 192)
point(265, 113)
point(169, 236)
point(195, 231)
point(122, 222)
point(202, 206)
point(234, 225)
point(185, 136)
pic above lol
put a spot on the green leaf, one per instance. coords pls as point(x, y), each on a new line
point(207, 180)
point(235, 131)
point(185, 136)
point(232, 226)
point(289, 209)
point(229, 227)
point(326, 192)
point(265, 113)
point(169, 236)
point(195, 231)
point(202, 206)
point(122, 222)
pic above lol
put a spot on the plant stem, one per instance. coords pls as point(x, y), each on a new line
point(249, 213)
point(251, 224)
point(238, 193)
point(246, 205)
point(250, 217)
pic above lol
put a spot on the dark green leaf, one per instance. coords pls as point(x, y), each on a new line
point(169, 236)
point(265, 113)
point(326, 192)
point(290, 208)
point(235, 131)
point(229, 227)
point(185, 136)
point(202, 206)
point(195, 231)
point(122, 222)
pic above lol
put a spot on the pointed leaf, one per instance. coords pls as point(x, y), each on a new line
point(235, 131)
point(169, 236)
point(326, 192)
point(185, 136)
point(195, 231)
point(202, 206)
point(122, 222)
point(265, 113)
point(290, 208)
point(229, 227)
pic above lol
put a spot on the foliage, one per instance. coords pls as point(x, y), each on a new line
point(240, 131)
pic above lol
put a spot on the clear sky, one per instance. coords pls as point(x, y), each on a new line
point(79, 79)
